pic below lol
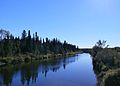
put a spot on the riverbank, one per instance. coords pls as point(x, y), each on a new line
point(29, 57)
point(106, 65)
point(37, 73)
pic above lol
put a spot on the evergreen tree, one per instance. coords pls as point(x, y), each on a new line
point(23, 42)
point(29, 43)
point(11, 46)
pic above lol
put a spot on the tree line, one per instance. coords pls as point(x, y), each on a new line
point(11, 46)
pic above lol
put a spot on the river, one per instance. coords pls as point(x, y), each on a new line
point(72, 71)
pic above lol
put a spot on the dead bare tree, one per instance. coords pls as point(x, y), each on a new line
point(4, 34)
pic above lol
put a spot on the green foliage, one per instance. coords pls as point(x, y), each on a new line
point(100, 45)
point(105, 61)
point(14, 46)
point(108, 57)
point(112, 78)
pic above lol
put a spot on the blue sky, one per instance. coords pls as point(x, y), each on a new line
point(80, 22)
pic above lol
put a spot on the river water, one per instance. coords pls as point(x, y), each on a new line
point(73, 71)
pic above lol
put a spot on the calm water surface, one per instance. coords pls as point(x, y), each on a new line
point(72, 71)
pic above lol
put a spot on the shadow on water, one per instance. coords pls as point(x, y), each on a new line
point(29, 72)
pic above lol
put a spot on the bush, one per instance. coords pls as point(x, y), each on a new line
point(113, 80)
point(108, 57)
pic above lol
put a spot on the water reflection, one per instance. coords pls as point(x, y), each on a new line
point(29, 73)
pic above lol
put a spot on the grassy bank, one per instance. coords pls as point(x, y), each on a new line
point(29, 57)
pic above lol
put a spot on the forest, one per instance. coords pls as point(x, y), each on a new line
point(31, 46)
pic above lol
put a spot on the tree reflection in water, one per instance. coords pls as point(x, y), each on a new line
point(29, 71)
